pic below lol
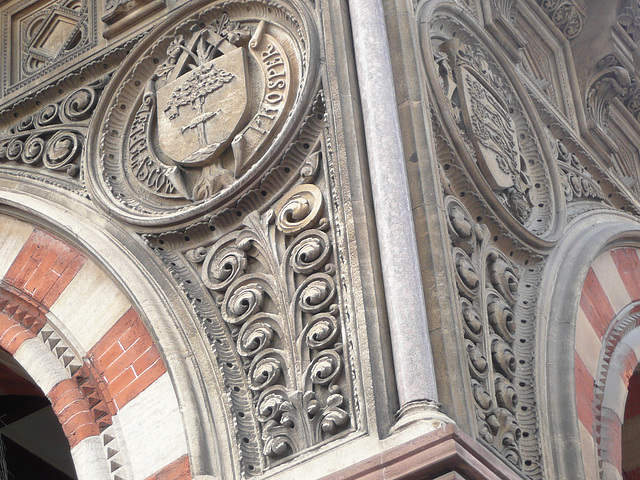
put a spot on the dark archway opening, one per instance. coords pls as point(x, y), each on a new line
point(631, 430)
point(33, 443)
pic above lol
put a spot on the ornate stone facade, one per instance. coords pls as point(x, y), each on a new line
point(322, 238)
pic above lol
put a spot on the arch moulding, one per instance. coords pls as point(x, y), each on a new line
point(85, 312)
point(560, 338)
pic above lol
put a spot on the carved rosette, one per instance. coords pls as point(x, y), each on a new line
point(206, 104)
point(490, 126)
point(488, 285)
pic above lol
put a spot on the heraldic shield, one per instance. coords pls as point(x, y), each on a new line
point(203, 109)
point(494, 132)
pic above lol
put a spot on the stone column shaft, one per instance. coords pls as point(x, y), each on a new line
point(413, 358)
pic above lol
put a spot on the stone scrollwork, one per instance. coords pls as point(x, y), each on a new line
point(270, 299)
point(576, 180)
point(54, 136)
point(202, 109)
point(280, 307)
point(488, 285)
point(566, 15)
point(611, 81)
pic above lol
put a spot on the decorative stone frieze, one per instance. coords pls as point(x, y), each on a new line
point(52, 139)
point(565, 14)
point(39, 36)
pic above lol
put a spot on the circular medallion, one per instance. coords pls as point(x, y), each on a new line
point(492, 125)
point(202, 107)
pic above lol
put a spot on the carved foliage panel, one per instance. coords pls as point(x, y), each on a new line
point(488, 284)
point(565, 14)
point(271, 302)
point(51, 140)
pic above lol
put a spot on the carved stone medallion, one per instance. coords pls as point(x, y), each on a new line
point(204, 106)
point(494, 133)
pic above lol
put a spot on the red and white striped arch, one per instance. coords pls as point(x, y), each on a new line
point(79, 337)
point(607, 350)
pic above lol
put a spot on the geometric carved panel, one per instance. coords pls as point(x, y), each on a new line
point(39, 36)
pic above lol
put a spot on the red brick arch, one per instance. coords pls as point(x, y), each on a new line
point(606, 353)
point(82, 403)
point(96, 378)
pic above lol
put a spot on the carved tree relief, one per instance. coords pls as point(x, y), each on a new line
point(203, 109)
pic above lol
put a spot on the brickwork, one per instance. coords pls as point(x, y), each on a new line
point(47, 275)
point(612, 283)
point(177, 470)
point(127, 359)
point(44, 267)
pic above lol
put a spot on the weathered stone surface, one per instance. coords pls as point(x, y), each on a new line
point(259, 238)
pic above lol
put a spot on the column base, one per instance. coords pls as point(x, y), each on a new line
point(425, 412)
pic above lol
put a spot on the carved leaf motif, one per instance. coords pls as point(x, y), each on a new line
point(503, 357)
point(501, 318)
point(316, 293)
point(274, 283)
point(503, 277)
point(265, 370)
point(242, 301)
point(309, 252)
point(467, 273)
point(222, 267)
point(299, 209)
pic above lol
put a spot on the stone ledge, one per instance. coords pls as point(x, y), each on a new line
point(443, 453)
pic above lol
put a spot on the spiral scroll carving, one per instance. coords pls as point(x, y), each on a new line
point(274, 285)
point(488, 284)
point(53, 137)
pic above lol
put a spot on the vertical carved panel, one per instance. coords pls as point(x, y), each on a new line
point(488, 287)
point(270, 300)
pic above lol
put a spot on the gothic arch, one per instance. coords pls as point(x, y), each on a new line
point(177, 428)
point(571, 283)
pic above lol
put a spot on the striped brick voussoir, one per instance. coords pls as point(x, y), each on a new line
point(606, 355)
point(117, 366)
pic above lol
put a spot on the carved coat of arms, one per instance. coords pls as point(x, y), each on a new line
point(200, 123)
point(486, 117)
